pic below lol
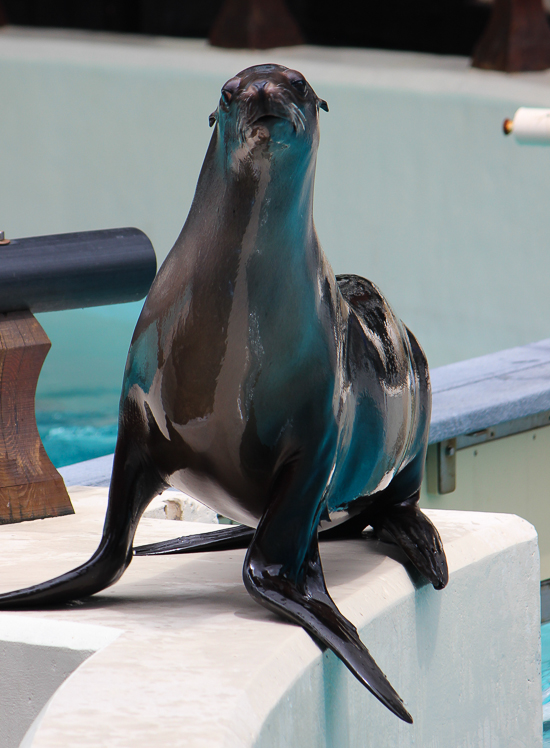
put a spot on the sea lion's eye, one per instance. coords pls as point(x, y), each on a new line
point(300, 85)
point(226, 97)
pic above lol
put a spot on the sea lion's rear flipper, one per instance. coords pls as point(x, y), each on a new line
point(413, 532)
point(237, 536)
point(230, 538)
point(133, 485)
point(300, 595)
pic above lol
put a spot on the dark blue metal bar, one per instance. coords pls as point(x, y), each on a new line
point(72, 271)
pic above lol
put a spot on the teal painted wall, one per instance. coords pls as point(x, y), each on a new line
point(445, 214)
point(417, 188)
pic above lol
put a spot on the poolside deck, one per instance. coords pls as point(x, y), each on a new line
point(177, 653)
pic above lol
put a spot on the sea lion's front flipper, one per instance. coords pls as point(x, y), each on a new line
point(134, 483)
point(301, 596)
point(412, 531)
point(230, 538)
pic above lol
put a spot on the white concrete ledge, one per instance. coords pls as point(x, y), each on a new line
point(36, 657)
point(198, 663)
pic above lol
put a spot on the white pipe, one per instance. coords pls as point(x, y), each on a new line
point(529, 126)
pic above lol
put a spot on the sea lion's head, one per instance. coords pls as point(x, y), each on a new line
point(268, 108)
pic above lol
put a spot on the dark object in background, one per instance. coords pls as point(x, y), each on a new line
point(49, 273)
point(254, 24)
point(517, 38)
point(95, 15)
point(451, 27)
point(3, 16)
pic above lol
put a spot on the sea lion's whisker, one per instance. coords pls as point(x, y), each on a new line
point(298, 117)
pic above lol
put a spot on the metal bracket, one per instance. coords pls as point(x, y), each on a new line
point(441, 467)
point(446, 466)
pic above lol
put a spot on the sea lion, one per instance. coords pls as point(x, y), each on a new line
point(283, 397)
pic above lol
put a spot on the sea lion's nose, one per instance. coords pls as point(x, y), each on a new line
point(260, 88)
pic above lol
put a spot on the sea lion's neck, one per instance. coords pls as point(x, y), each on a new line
point(253, 202)
point(250, 223)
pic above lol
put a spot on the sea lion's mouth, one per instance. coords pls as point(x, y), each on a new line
point(264, 124)
point(267, 126)
point(269, 119)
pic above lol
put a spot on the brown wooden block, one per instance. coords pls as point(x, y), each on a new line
point(254, 24)
point(517, 38)
point(30, 486)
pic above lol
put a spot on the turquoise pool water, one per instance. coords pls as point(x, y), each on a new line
point(79, 386)
point(73, 434)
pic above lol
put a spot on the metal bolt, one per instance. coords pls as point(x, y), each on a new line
point(449, 451)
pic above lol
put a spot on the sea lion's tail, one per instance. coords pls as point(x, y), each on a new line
point(134, 483)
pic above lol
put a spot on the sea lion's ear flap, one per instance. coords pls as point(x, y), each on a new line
point(213, 118)
point(322, 104)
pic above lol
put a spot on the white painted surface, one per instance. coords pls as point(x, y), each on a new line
point(36, 657)
point(63, 634)
point(200, 664)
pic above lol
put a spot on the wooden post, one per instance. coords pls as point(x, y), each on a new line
point(254, 24)
point(30, 486)
point(517, 38)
